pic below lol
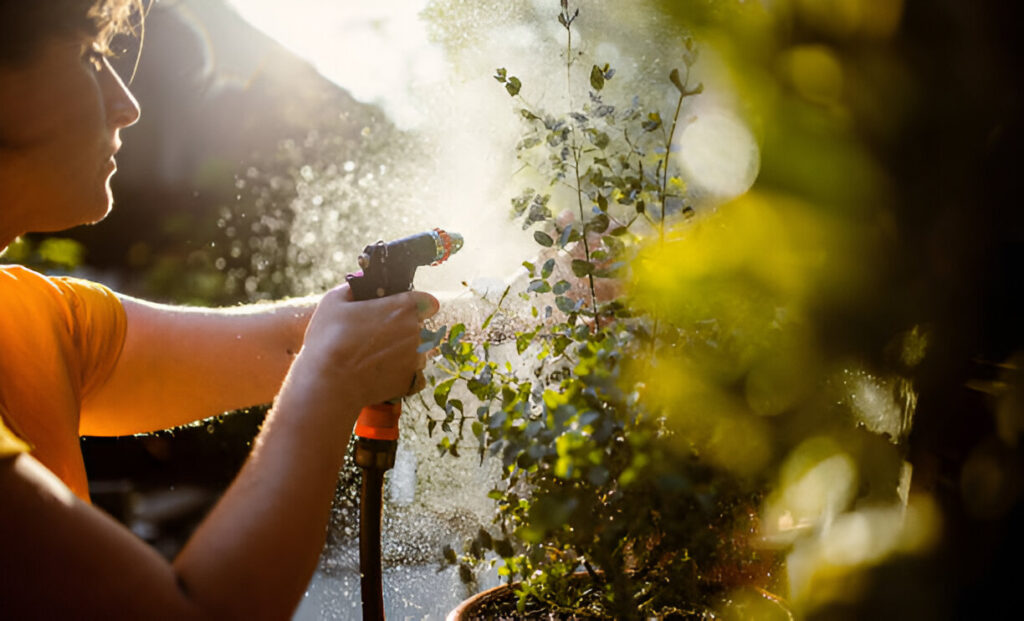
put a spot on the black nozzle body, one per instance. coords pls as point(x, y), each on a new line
point(388, 268)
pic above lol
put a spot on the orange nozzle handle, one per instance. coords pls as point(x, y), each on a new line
point(379, 422)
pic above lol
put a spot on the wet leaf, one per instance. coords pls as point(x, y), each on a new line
point(565, 304)
point(458, 330)
point(484, 538)
point(442, 391)
point(598, 139)
point(549, 266)
point(569, 235)
point(597, 224)
point(523, 340)
point(529, 116)
point(674, 77)
point(528, 143)
point(490, 317)
point(652, 123)
point(480, 385)
point(582, 268)
point(539, 286)
point(430, 339)
point(513, 85)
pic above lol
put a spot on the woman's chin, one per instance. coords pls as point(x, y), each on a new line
point(95, 212)
point(101, 216)
point(102, 205)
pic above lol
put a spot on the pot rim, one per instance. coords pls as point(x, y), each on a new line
point(459, 612)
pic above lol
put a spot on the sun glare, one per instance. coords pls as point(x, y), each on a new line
point(377, 51)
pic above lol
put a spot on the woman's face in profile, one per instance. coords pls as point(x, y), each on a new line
point(60, 116)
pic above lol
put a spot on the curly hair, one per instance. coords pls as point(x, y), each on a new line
point(25, 25)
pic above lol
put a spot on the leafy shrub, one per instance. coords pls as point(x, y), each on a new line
point(592, 477)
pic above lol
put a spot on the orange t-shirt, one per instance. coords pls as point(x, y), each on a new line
point(10, 444)
point(60, 338)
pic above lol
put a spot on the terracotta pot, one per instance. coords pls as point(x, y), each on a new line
point(772, 607)
point(465, 610)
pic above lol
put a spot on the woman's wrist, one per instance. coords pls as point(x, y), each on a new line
point(308, 389)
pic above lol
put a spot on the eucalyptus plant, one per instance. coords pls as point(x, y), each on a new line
point(592, 480)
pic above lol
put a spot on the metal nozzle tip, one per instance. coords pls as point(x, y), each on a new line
point(446, 244)
point(456, 242)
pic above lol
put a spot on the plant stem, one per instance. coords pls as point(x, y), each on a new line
point(568, 66)
point(583, 233)
point(664, 184)
point(668, 149)
point(576, 168)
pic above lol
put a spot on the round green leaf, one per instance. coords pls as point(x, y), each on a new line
point(543, 239)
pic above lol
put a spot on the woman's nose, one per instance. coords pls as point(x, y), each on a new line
point(122, 107)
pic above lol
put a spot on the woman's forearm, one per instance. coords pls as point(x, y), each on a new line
point(279, 504)
point(355, 355)
point(251, 558)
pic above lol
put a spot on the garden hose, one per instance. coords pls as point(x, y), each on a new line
point(387, 269)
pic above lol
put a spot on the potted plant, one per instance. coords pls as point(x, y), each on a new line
point(662, 393)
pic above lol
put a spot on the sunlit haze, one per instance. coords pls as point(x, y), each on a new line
point(378, 51)
point(441, 88)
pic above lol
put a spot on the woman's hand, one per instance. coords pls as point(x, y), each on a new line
point(365, 352)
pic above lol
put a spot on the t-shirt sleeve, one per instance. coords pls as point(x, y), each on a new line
point(10, 444)
point(97, 323)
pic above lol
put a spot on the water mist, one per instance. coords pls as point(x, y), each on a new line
point(444, 156)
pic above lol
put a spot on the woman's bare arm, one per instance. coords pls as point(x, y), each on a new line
point(253, 556)
point(182, 364)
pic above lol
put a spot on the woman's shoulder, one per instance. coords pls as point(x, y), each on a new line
point(24, 279)
point(27, 282)
point(15, 273)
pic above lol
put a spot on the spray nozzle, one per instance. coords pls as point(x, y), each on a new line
point(388, 268)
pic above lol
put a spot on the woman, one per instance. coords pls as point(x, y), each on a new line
point(78, 359)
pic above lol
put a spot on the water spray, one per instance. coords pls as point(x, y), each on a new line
point(387, 269)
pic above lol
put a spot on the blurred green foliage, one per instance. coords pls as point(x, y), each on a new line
point(835, 349)
point(49, 254)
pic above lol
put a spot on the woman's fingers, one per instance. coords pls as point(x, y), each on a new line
point(426, 304)
point(371, 346)
point(418, 384)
